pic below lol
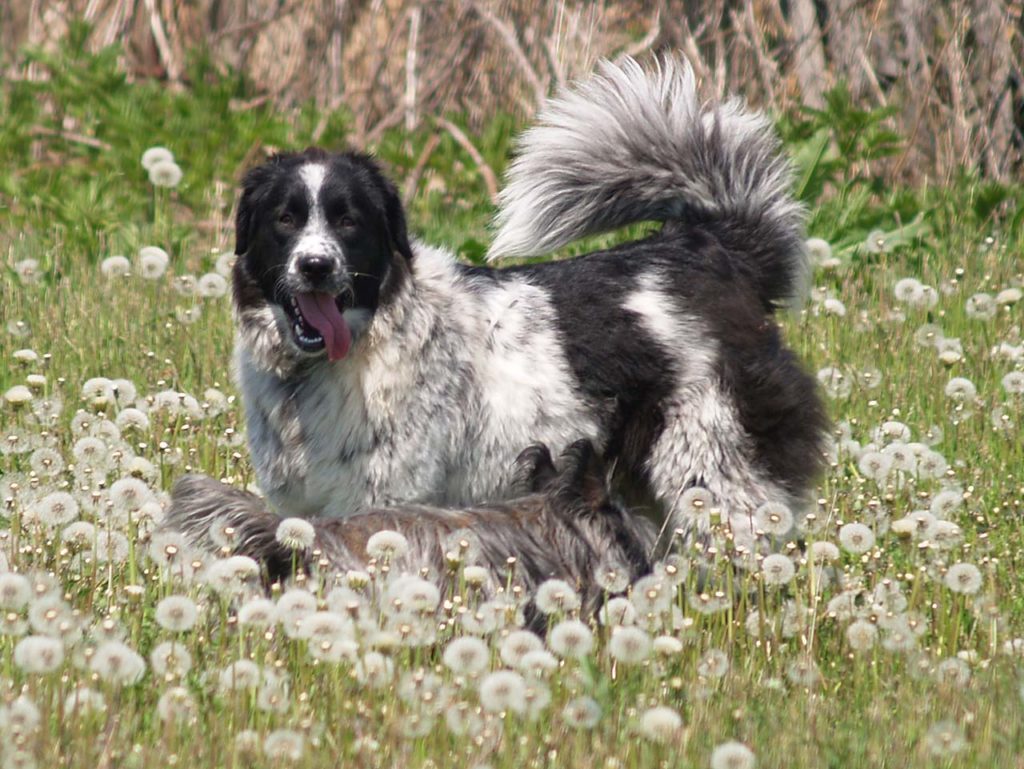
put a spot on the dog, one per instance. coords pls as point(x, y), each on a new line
point(376, 370)
point(563, 526)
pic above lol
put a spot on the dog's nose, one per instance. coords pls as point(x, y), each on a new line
point(315, 266)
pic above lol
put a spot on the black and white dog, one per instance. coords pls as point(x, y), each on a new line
point(376, 369)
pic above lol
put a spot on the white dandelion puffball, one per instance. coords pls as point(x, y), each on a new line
point(466, 656)
point(387, 544)
point(284, 744)
point(660, 724)
point(732, 755)
point(981, 307)
point(295, 533)
point(629, 645)
point(1013, 383)
point(963, 578)
point(581, 713)
point(819, 250)
point(39, 654)
point(571, 638)
point(777, 569)
point(153, 262)
point(116, 266)
point(18, 395)
point(856, 538)
point(774, 518)
point(211, 286)
point(714, 664)
point(176, 613)
point(117, 663)
point(155, 155)
point(961, 389)
point(503, 690)
point(556, 595)
point(517, 645)
point(861, 635)
point(165, 173)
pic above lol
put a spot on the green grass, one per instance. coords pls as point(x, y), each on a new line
point(68, 205)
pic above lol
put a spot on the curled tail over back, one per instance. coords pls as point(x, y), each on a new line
point(629, 146)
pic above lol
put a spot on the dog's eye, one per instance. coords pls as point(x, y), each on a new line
point(346, 222)
point(286, 220)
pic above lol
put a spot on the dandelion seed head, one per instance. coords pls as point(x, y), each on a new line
point(964, 578)
point(170, 658)
point(176, 613)
point(83, 701)
point(165, 173)
point(466, 656)
point(152, 262)
point(777, 569)
point(211, 286)
point(774, 518)
point(732, 755)
point(945, 738)
point(571, 638)
point(284, 745)
point(581, 713)
point(238, 676)
point(503, 690)
point(981, 306)
point(835, 383)
point(556, 595)
point(856, 538)
point(516, 645)
point(953, 672)
point(38, 654)
point(295, 533)
point(387, 545)
point(714, 664)
point(617, 611)
point(660, 724)
point(629, 645)
point(155, 155)
point(116, 266)
point(861, 635)
point(117, 663)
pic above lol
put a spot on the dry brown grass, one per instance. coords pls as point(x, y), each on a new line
point(955, 70)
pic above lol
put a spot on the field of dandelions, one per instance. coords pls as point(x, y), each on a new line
point(889, 633)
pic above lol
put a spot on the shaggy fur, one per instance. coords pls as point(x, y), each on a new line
point(378, 370)
point(564, 526)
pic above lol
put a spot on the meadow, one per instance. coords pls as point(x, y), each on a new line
point(890, 632)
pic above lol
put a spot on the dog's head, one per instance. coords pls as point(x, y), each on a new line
point(321, 241)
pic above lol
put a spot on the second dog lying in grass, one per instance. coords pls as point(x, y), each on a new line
point(563, 526)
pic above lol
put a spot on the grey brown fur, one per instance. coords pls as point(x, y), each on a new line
point(563, 526)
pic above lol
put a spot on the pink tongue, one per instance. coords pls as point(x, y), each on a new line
point(322, 313)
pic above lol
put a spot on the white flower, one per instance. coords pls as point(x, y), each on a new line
point(667, 645)
point(556, 595)
point(856, 538)
point(466, 656)
point(774, 518)
point(963, 578)
point(1013, 383)
point(617, 611)
point(239, 675)
point(28, 271)
point(295, 533)
point(155, 155)
point(945, 738)
point(1009, 296)
point(834, 307)
point(170, 657)
point(211, 286)
point(953, 671)
point(981, 307)
point(906, 289)
point(875, 465)
point(225, 263)
point(116, 266)
point(18, 395)
point(777, 569)
point(117, 663)
point(835, 383)
point(165, 173)
point(293, 606)
point(581, 713)
point(153, 262)
point(20, 718)
point(714, 664)
point(503, 690)
point(629, 645)
point(803, 672)
point(176, 613)
point(861, 635)
point(571, 638)
point(15, 591)
point(176, 704)
point(732, 755)
point(660, 724)
point(387, 544)
point(284, 744)
point(818, 249)
point(517, 645)
point(946, 502)
point(39, 654)
point(823, 552)
point(961, 389)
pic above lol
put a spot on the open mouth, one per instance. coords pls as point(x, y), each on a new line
point(318, 323)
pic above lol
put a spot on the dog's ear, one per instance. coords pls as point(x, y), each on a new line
point(394, 212)
point(255, 186)
point(583, 475)
point(533, 469)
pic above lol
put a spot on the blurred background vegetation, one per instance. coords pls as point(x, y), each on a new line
point(886, 105)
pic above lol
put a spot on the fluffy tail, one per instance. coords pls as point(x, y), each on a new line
point(628, 146)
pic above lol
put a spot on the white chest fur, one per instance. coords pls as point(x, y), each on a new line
point(450, 382)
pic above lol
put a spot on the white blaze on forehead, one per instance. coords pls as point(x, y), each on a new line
point(313, 175)
point(316, 238)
